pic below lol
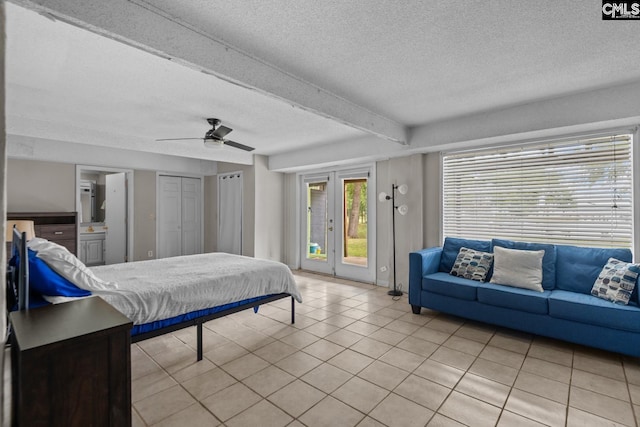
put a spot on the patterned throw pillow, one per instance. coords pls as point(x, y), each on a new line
point(472, 264)
point(616, 281)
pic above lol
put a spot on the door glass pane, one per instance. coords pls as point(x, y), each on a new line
point(317, 203)
point(354, 212)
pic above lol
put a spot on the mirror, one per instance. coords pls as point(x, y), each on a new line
point(92, 196)
point(88, 200)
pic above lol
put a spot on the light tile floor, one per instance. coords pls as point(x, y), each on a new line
point(357, 357)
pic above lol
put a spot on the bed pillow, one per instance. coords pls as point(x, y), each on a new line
point(68, 266)
point(472, 264)
point(518, 268)
point(616, 281)
point(45, 281)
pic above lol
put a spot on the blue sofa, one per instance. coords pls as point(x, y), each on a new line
point(565, 310)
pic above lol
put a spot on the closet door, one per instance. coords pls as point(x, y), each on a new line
point(191, 222)
point(169, 216)
point(179, 216)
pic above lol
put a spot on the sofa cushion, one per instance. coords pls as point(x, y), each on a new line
point(548, 261)
point(515, 267)
point(471, 264)
point(577, 268)
point(593, 311)
point(452, 286)
point(616, 282)
point(452, 246)
point(514, 298)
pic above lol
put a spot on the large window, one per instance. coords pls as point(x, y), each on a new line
point(569, 192)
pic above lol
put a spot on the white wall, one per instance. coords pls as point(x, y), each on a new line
point(68, 152)
point(269, 216)
point(409, 228)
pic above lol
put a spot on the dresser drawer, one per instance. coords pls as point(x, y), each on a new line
point(56, 232)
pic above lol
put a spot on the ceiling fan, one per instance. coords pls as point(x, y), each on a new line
point(215, 137)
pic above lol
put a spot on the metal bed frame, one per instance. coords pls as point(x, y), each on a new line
point(19, 278)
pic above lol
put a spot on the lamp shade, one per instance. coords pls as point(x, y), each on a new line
point(403, 209)
point(23, 226)
point(402, 189)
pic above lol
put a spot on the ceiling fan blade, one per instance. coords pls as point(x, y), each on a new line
point(176, 139)
point(220, 132)
point(238, 145)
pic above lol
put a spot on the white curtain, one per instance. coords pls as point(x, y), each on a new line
point(230, 213)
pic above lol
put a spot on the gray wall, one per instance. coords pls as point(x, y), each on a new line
point(144, 214)
point(37, 186)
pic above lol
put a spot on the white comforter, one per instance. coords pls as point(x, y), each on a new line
point(160, 289)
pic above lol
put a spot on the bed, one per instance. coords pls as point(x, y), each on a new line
point(159, 296)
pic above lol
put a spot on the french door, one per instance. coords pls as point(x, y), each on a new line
point(338, 224)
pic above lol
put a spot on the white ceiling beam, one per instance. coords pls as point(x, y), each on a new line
point(150, 31)
point(353, 151)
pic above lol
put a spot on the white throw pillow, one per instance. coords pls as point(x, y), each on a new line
point(68, 266)
point(514, 267)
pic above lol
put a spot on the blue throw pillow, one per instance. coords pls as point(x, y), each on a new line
point(548, 260)
point(45, 281)
point(578, 267)
point(452, 246)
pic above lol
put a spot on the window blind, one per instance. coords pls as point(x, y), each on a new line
point(569, 192)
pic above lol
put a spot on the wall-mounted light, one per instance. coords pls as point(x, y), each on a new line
point(402, 210)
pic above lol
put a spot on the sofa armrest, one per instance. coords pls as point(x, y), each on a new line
point(425, 261)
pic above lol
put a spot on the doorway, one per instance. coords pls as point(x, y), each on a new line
point(104, 202)
point(338, 224)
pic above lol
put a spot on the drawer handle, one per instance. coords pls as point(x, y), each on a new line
point(58, 232)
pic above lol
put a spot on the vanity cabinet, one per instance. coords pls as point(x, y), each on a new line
point(92, 248)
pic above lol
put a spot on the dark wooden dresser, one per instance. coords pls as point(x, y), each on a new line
point(71, 365)
point(58, 227)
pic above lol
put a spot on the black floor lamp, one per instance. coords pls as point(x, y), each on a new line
point(402, 210)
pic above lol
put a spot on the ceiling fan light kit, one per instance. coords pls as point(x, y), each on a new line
point(215, 137)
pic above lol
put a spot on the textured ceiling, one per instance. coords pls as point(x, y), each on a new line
point(420, 61)
point(413, 63)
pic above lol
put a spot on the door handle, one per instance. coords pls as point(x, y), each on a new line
point(330, 228)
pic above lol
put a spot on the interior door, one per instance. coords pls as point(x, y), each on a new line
point(179, 216)
point(337, 208)
point(169, 216)
point(190, 213)
point(116, 218)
